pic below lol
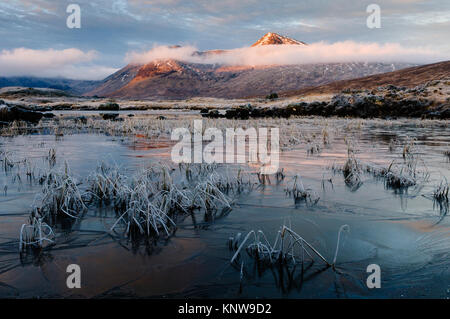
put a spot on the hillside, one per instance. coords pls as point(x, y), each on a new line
point(408, 77)
point(70, 86)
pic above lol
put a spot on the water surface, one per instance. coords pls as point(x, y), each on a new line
point(402, 231)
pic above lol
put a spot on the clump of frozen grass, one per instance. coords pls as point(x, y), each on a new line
point(404, 174)
point(207, 196)
point(233, 242)
point(163, 175)
point(150, 202)
point(397, 175)
point(197, 170)
point(36, 233)
point(280, 175)
point(144, 214)
point(29, 169)
point(60, 196)
point(147, 204)
point(313, 149)
point(187, 169)
point(409, 148)
point(407, 174)
point(288, 247)
point(59, 132)
point(107, 185)
point(440, 194)
point(440, 197)
point(447, 154)
point(352, 170)
point(151, 207)
point(263, 179)
point(13, 129)
point(354, 125)
point(392, 145)
point(8, 163)
point(297, 190)
point(143, 204)
point(233, 183)
point(399, 179)
point(325, 136)
point(51, 157)
point(174, 199)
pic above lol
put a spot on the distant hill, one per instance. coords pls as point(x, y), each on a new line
point(20, 92)
point(409, 77)
point(72, 86)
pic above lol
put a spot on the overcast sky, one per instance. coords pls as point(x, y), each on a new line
point(35, 31)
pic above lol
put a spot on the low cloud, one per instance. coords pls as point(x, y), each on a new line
point(320, 52)
point(69, 63)
point(186, 53)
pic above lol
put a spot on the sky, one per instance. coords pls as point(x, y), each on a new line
point(36, 40)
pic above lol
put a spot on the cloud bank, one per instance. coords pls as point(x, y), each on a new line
point(320, 52)
point(69, 63)
point(79, 65)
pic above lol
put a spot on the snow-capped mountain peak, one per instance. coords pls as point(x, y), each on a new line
point(274, 38)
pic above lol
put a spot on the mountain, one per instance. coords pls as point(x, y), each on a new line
point(174, 79)
point(408, 77)
point(70, 86)
point(187, 80)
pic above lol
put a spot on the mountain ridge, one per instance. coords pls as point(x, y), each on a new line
point(175, 79)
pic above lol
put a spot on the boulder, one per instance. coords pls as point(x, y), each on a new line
point(110, 116)
point(48, 115)
point(110, 106)
point(16, 113)
point(241, 112)
point(445, 114)
point(212, 114)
